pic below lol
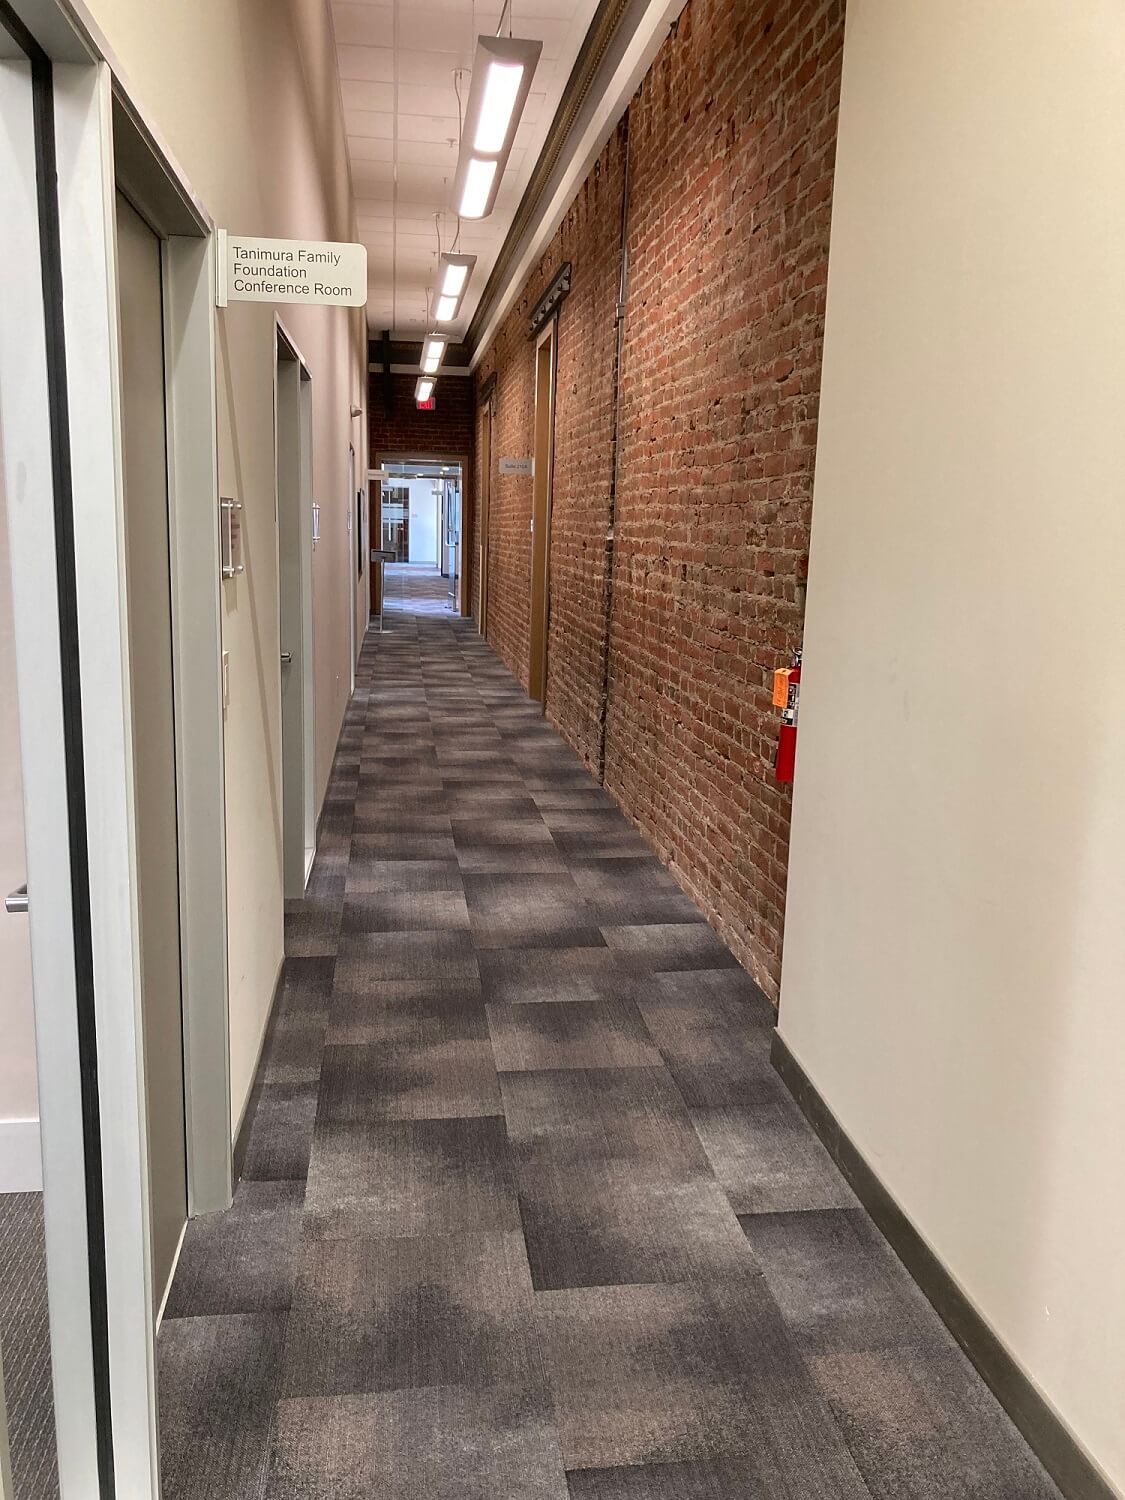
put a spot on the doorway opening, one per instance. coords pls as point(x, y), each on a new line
point(422, 514)
point(545, 367)
point(296, 535)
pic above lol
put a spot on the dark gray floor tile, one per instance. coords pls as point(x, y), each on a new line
point(634, 892)
point(665, 1374)
point(218, 1380)
point(925, 1427)
point(571, 1034)
point(26, 1339)
point(362, 1083)
point(749, 1477)
point(390, 845)
point(312, 927)
point(490, 833)
point(306, 986)
point(437, 1443)
point(511, 859)
point(405, 911)
point(406, 1020)
point(403, 955)
point(529, 910)
point(716, 1044)
point(628, 1118)
point(401, 875)
point(384, 1314)
point(499, 801)
point(411, 1177)
point(840, 1286)
point(293, 1047)
point(768, 1159)
point(241, 1261)
point(591, 798)
point(281, 1133)
point(599, 1224)
point(392, 823)
point(535, 976)
point(660, 947)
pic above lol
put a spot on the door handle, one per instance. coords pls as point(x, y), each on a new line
point(286, 657)
point(17, 901)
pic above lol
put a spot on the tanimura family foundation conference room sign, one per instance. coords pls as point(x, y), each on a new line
point(309, 272)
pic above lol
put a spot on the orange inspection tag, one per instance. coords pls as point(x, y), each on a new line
point(781, 687)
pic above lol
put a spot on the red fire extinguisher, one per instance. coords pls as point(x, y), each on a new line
point(786, 756)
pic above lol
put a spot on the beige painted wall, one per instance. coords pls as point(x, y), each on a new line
point(19, 1098)
point(954, 975)
point(244, 93)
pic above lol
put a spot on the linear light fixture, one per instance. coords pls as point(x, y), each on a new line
point(453, 278)
point(433, 352)
point(502, 71)
point(424, 389)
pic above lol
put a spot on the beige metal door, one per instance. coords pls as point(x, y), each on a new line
point(154, 768)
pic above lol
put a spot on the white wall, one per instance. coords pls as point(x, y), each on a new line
point(954, 975)
point(245, 94)
point(424, 507)
point(19, 1102)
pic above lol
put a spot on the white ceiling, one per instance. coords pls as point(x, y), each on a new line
point(397, 64)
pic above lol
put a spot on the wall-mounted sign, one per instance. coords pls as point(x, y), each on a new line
point(307, 272)
point(517, 466)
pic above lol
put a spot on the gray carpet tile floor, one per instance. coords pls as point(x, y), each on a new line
point(26, 1346)
point(525, 1212)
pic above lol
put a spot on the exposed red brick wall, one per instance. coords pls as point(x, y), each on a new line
point(589, 239)
point(731, 146)
point(449, 429)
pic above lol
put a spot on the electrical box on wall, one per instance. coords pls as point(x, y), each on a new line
point(230, 537)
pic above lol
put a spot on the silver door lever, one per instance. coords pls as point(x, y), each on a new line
point(17, 901)
point(286, 656)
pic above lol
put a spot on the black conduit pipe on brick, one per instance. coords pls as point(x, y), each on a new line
point(615, 447)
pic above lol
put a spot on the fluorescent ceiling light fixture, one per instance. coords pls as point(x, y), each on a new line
point(455, 270)
point(424, 389)
point(433, 352)
point(477, 195)
point(453, 278)
point(503, 67)
point(501, 90)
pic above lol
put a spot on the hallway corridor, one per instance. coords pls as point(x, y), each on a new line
point(525, 1212)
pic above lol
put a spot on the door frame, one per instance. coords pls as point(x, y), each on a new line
point(66, 419)
point(545, 373)
point(355, 532)
point(484, 465)
point(431, 456)
point(184, 229)
point(294, 502)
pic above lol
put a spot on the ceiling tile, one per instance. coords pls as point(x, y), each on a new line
point(363, 25)
point(401, 112)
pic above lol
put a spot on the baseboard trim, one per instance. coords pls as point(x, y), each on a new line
point(242, 1134)
point(21, 1166)
point(1058, 1451)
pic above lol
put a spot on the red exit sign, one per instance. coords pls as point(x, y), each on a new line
point(430, 405)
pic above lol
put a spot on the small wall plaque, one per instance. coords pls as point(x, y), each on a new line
point(517, 466)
